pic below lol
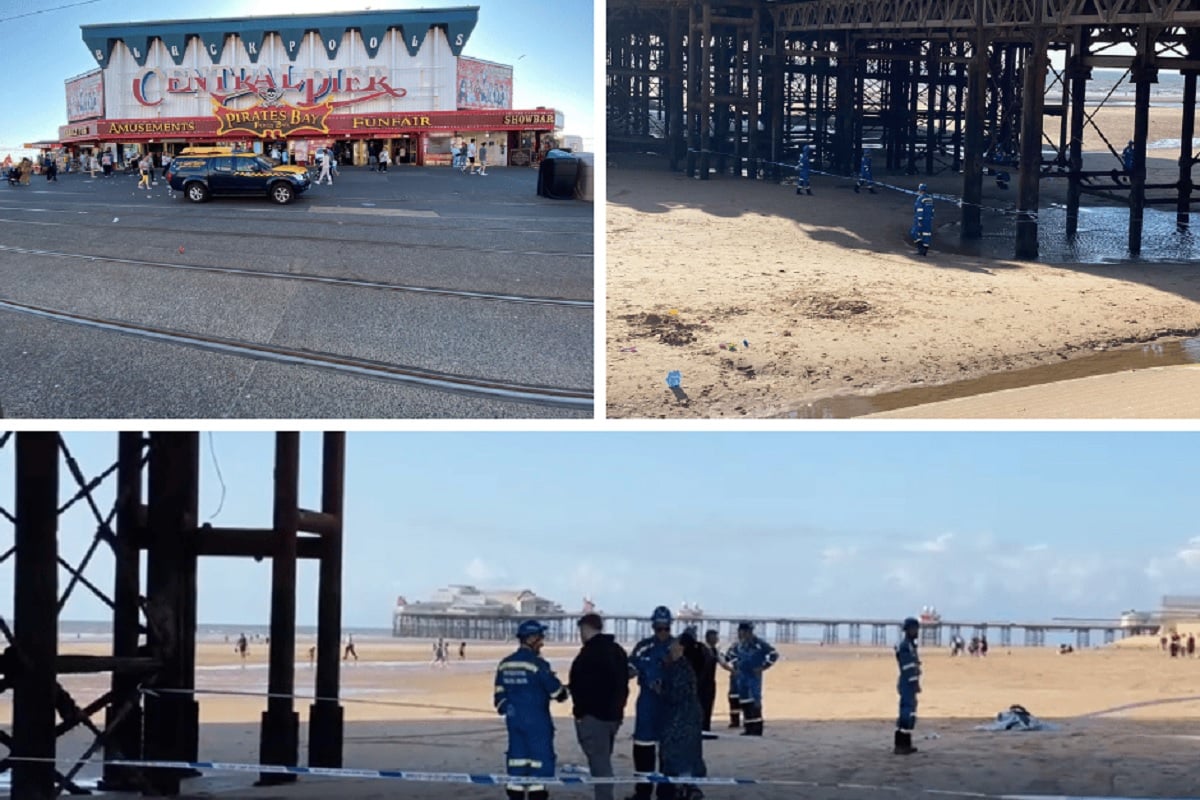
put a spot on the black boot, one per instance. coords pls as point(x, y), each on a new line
point(904, 745)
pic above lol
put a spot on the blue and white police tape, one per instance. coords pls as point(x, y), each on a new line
point(487, 779)
point(957, 201)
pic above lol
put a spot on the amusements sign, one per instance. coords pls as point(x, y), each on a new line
point(482, 84)
point(85, 97)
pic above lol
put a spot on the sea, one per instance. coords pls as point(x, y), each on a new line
point(81, 630)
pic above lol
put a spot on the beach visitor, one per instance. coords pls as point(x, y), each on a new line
point(470, 157)
point(384, 159)
point(646, 664)
point(983, 646)
point(681, 747)
point(599, 685)
point(462, 652)
point(524, 687)
point(350, 651)
point(909, 686)
point(106, 163)
point(312, 655)
point(91, 164)
point(921, 232)
point(166, 164)
point(242, 648)
point(802, 184)
point(754, 657)
point(325, 163)
point(483, 150)
point(144, 168)
point(865, 179)
point(1191, 645)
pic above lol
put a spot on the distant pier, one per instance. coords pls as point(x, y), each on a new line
point(791, 630)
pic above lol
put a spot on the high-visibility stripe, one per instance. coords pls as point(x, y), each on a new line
point(518, 762)
point(759, 719)
point(535, 764)
point(636, 743)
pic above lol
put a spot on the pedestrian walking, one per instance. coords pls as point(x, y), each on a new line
point(471, 150)
point(909, 686)
point(483, 154)
point(921, 232)
point(166, 164)
point(106, 163)
point(144, 170)
point(350, 651)
point(92, 164)
point(1127, 156)
point(326, 167)
point(803, 170)
point(384, 159)
point(242, 648)
point(865, 178)
point(524, 687)
point(462, 651)
point(599, 685)
point(753, 657)
point(646, 664)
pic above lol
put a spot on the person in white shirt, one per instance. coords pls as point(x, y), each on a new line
point(384, 159)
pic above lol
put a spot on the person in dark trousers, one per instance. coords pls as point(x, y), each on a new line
point(462, 652)
point(708, 676)
point(599, 686)
point(909, 686)
point(350, 651)
point(753, 657)
point(681, 745)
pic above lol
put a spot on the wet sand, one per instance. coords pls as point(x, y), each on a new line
point(829, 718)
point(833, 303)
point(1157, 393)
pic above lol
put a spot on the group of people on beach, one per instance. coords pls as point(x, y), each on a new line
point(1177, 645)
point(441, 653)
point(676, 692)
point(977, 647)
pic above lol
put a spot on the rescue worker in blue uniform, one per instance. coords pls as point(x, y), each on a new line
point(646, 663)
point(524, 687)
point(922, 227)
point(753, 657)
point(865, 178)
point(909, 686)
point(728, 659)
point(1127, 157)
point(802, 184)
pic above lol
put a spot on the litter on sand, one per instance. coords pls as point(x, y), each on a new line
point(674, 378)
point(1017, 718)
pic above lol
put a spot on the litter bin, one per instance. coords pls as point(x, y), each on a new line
point(557, 175)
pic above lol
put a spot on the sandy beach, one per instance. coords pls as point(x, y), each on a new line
point(829, 716)
point(769, 303)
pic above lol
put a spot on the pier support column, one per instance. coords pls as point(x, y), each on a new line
point(705, 76)
point(972, 208)
point(31, 668)
point(325, 715)
point(846, 146)
point(1032, 114)
point(125, 742)
point(778, 117)
point(677, 146)
point(1143, 74)
point(1077, 74)
point(1186, 158)
point(172, 721)
point(754, 152)
point(280, 722)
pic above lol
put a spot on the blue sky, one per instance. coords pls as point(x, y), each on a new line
point(1005, 526)
point(42, 50)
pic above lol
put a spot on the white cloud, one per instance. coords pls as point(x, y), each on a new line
point(480, 571)
point(938, 545)
point(834, 554)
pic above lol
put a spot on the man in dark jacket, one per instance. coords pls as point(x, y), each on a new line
point(599, 683)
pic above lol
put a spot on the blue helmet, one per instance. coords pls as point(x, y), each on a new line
point(911, 622)
point(661, 616)
point(923, 188)
point(746, 626)
point(530, 628)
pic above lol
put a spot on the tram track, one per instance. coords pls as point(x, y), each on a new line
point(563, 397)
point(308, 278)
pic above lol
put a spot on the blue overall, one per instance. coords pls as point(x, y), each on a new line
point(802, 176)
point(908, 684)
point(864, 172)
point(922, 227)
point(646, 662)
point(735, 695)
point(1127, 158)
point(525, 684)
point(752, 655)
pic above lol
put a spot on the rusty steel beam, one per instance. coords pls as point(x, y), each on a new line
point(280, 723)
point(35, 612)
point(326, 714)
